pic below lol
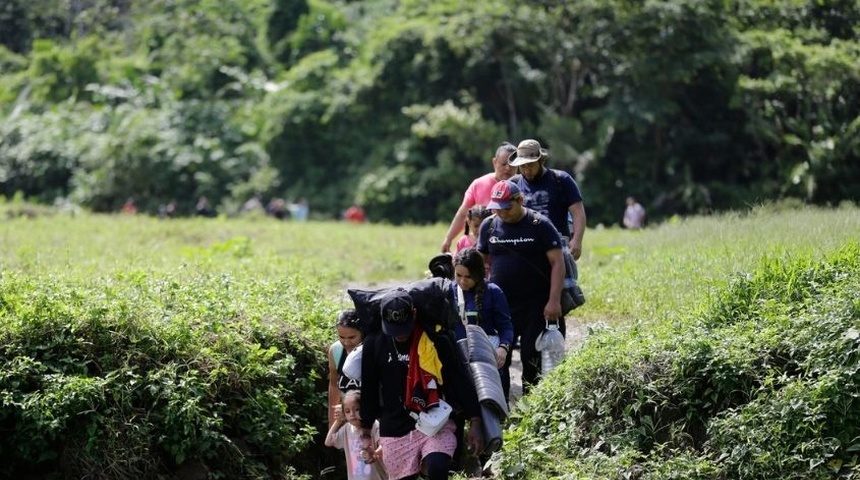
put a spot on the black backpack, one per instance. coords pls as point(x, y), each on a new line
point(431, 297)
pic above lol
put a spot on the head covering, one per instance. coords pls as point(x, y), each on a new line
point(504, 192)
point(528, 151)
point(442, 266)
point(397, 313)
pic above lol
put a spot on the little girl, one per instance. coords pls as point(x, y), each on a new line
point(349, 334)
point(474, 217)
point(345, 435)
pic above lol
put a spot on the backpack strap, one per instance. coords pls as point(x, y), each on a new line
point(495, 218)
point(461, 305)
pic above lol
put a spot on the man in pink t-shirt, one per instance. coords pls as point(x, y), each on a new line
point(479, 191)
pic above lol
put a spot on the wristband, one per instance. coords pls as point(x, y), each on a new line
point(505, 346)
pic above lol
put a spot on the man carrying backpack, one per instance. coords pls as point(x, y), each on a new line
point(408, 371)
point(553, 193)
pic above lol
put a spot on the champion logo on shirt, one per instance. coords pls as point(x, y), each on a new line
point(513, 241)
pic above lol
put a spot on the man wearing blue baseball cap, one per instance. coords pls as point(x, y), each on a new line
point(524, 251)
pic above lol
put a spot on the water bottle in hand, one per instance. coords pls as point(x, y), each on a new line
point(551, 346)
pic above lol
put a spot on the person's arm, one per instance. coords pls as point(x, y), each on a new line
point(333, 391)
point(458, 223)
point(377, 455)
point(552, 310)
point(575, 244)
point(369, 407)
point(331, 437)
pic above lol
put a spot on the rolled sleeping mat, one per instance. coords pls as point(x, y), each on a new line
point(488, 385)
point(463, 344)
point(491, 428)
point(480, 347)
point(485, 374)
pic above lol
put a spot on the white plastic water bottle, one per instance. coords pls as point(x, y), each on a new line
point(551, 346)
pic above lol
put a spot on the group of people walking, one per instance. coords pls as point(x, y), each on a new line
point(511, 232)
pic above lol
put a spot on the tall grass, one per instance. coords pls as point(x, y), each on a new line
point(132, 345)
point(680, 265)
point(337, 252)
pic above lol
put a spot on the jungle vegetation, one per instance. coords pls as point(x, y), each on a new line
point(692, 106)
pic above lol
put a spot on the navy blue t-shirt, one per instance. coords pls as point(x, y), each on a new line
point(551, 195)
point(519, 265)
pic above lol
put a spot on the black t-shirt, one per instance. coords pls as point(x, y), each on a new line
point(519, 265)
point(384, 365)
point(551, 195)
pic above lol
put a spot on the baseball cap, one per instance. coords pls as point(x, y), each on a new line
point(397, 313)
point(504, 192)
point(528, 151)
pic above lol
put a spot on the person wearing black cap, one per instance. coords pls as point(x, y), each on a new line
point(386, 378)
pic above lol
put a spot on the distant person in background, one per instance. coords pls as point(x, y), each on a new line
point(168, 210)
point(354, 214)
point(129, 207)
point(634, 215)
point(475, 216)
point(299, 210)
point(203, 209)
point(479, 190)
point(277, 208)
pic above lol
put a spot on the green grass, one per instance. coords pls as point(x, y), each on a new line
point(83, 244)
point(676, 266)
point(136, 345)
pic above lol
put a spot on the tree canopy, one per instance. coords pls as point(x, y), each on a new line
point(689, 105)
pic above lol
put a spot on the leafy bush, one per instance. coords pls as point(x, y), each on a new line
point(124, 377)
point(760, 384)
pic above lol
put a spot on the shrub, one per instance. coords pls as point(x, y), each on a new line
point(149, 376)
point(761, 384)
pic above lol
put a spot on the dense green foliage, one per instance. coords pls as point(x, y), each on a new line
point(136, 375)
point(721, 347)
point(690, 105)
point(759, 384)
point(137, 348)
